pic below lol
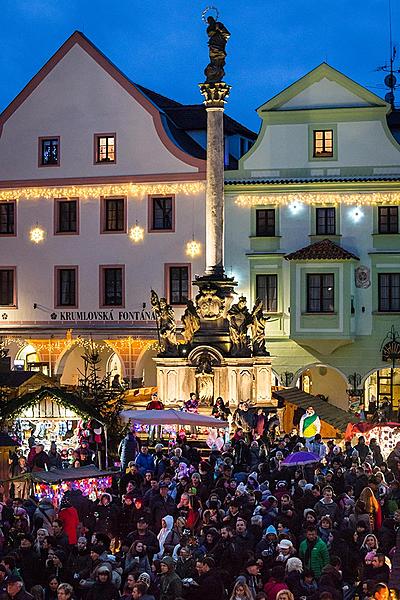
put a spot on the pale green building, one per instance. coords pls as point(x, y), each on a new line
point(313, 227)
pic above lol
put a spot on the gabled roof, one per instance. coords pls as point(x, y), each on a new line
point(78, 38)
point(334, 416)
point(323, 70)
point(323, 250)
point(14, 379)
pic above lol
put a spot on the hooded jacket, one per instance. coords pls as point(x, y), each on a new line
point(105, 591)
point(171, 584)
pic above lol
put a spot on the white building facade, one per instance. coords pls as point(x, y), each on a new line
point(98, 201)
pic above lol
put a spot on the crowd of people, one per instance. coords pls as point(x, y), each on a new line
point(233, 524)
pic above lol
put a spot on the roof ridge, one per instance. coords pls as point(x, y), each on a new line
point(324, 249)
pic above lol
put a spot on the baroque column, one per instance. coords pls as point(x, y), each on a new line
point(215, 95)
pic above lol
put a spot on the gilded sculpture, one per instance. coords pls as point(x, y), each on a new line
point(257, 328)
point(191, 322)
point(166, 324)
point(239, 319)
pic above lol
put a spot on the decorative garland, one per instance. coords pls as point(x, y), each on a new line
point(11, 408)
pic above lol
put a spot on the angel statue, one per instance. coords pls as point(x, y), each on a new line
point(257, 328)
point(166, 323)
point(191, 322)
point(239, 319)
point(218, 35)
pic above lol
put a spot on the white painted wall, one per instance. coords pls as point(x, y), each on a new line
point(324, 94)
point(77, 99)
point(360, 144)
point(144, 262)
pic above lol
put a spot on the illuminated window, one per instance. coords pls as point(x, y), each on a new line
point(389, 292)
point(114, 215)
point(161, 213)
point(320, 293)
point(66, 286)
point(105, 148)
point(66, 216)
point(265, 222)
point(178, 284)
point(7, 287)
point(112, 286)
point(7, 218)
point(325, 221)
point(49, 152)
point(267, 290)
point(388, 219)
point(323, 143)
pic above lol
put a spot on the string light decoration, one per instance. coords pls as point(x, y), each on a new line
point(136, 233)
point(323, 198)
point(95, 191)
point(37, 235)
point(193, 248)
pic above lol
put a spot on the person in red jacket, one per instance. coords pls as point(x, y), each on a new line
point(69, 517)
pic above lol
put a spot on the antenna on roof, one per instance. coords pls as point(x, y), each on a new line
point(389, 68)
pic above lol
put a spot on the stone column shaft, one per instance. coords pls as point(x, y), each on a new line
point(215, 192)
point(215, 98)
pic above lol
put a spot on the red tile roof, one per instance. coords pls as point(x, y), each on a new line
point(323, 250)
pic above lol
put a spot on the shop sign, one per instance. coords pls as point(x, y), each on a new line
point(116, 315)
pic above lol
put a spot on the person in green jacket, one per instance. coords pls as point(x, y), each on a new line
point(314, 552)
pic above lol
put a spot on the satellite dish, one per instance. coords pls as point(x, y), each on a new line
point(389, 97)
point(390, 80)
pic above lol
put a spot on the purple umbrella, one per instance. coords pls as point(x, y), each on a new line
point(299, 459)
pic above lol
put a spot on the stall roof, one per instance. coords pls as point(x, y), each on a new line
point(334, 416)
point(69, 474)
point(171, 417)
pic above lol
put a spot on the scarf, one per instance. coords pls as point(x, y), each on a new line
point(308, 552)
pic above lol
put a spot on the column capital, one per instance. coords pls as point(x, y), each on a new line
point(215, 94)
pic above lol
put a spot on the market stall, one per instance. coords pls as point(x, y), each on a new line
point(386, 434)
point(53, 484)
point(172, 420)
point(52, 414)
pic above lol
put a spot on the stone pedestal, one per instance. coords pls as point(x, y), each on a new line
point(235, 379)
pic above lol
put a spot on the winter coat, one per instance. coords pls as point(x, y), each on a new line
point(271, 588)
point(319, 556)
point(210, 586)
point(331, 508)
point(105, 591)
point(331, 581)
point(70, 520)
point(160, 508)
point(128, 449)
point(170, 586)
point(145, 462)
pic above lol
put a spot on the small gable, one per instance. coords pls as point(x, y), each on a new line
point(325, 94)
point(323, 87)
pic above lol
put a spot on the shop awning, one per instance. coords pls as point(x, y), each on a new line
point(58, 475)
point(171, 417)
point(331, 414)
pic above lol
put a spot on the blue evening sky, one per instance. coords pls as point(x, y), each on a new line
point(162, 44)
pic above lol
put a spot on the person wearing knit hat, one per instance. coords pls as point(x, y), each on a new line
point(144, 578)
point(294, 564)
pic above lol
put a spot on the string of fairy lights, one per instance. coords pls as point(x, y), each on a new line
point(319, 198)
point(38, 234)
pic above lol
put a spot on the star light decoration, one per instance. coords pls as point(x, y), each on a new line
point(136, 233)
point(37, 234)
point(193, 248)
